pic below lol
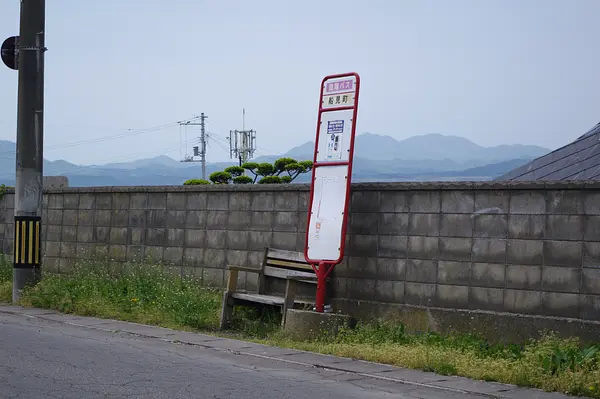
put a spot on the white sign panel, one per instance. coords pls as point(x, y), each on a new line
point(327, 213)
point(335, 136)
point(339, 92)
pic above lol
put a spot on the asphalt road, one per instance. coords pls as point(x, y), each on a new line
point(45, 359)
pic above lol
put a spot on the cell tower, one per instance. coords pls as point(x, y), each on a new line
point(199, 151)
point(242, 143)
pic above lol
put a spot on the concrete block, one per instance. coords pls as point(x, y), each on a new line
point(195, 238)
point(52, 249)
point(488, 275)
point(156, 218)
point(592, 228)
point(173, 255)
point(452, 296)
point(103, 201)
point(70, 217)
point(300, 241)
point(216, 220)
point(154, 254)
point(102, 218)
point(590, 283)
point(251, 282)
point(255, 258)
point(524, 277)
point(564, 227)
point(363, 245)
point(234, 257)
point(239, 220)
point(120, 201)
point(360, 289)
point(363, 223)
point(566, 202)
point(196, 220)
point(175, 237)
point(213, 277)
point(176, 201)
point(457, 273)
point(302, 221)
point(458, 202)
point(70, 201)
point(285, 201)
point(55, 201)
point(562, 253)
point(118, 235)
point(52, 233)
point(526, 226)
point(135, 253)
point(419, 294)
point(391, 269)
point(84, 234)
point(216, 239)
point(87, 201)
point(307, 325)
point(303, 199)
point(394, 201)
point(425, 202)
point(589, 307)
point(263, 202)
point(69, 233)
point(560, 304)
point(284, 240)
point(138, 235)
point(362, 268)
point(423, 247)
point(217, 201)
point(421, 271)
point(176, 219)
point(456, 248)
point(262, 221)
point(456, 225)
point(527, 202)
point(196, 201)
point(525, 252)
point(562, 279)
point(50, 265)
point(259, 240)
point(285, 221)
point(591, 202)
point(492, 201)
point(240, 201)
point(140, 200)
point(156, 237)
point(118, 253)
point(101, 234)
point(101, 252)
point(119, 219)
point(389, 223)
point(389, 291)
point(237, 240)
point(193, 256)
point(364, 202)
point(490, 226)
point(7, 246)
point(85, 250)
point(214, 258)
point(65, 266)
point(54, 216)
point(481, 298)
point(591, 254)
point(85, 218)
point(424, 224)
point(521, 301)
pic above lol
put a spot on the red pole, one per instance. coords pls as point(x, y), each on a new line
point(321, 289)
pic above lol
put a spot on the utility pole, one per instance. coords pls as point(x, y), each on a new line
point(30, 147)
point(201, 152)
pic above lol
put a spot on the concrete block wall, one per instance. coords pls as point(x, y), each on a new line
point(527, 249)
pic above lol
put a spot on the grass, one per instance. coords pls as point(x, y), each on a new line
point(145, 294)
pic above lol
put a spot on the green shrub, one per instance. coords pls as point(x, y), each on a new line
point(195, 182)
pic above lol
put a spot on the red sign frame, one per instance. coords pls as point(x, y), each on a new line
point(324, 267)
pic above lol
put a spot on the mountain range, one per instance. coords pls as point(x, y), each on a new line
point(377, 158)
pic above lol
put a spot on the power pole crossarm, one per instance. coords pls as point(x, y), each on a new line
point(30, 147)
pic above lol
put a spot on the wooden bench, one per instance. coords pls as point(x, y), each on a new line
point(286, 265)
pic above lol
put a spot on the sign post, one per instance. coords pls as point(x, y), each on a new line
point(331, 177)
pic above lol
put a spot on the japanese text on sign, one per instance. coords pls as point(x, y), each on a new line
point(335, 126)
point(339, 86)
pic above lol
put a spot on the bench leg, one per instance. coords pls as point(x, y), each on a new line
point(226, 311)
point(289, 299)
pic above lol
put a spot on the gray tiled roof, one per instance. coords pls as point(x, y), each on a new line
point(579, 160)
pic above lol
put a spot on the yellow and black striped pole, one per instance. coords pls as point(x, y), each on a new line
point(28, 243)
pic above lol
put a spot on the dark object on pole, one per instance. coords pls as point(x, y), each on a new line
point(30, 147)
point(9, 52)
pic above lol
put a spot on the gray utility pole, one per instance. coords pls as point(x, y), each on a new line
point(201, 152)
point(30, 147)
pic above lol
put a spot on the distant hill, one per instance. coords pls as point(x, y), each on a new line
point(377, 158)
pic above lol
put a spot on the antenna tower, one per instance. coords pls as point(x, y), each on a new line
point(242, 143)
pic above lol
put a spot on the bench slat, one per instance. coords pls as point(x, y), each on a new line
point(286, 255)
point(283, 273)
point(277, 262)
point(266, 299)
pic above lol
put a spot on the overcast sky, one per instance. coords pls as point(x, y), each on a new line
point(495, 72)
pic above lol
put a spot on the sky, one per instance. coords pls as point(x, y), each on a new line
point(121, 74)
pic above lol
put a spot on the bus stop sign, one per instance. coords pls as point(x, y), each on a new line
point(10, 52)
